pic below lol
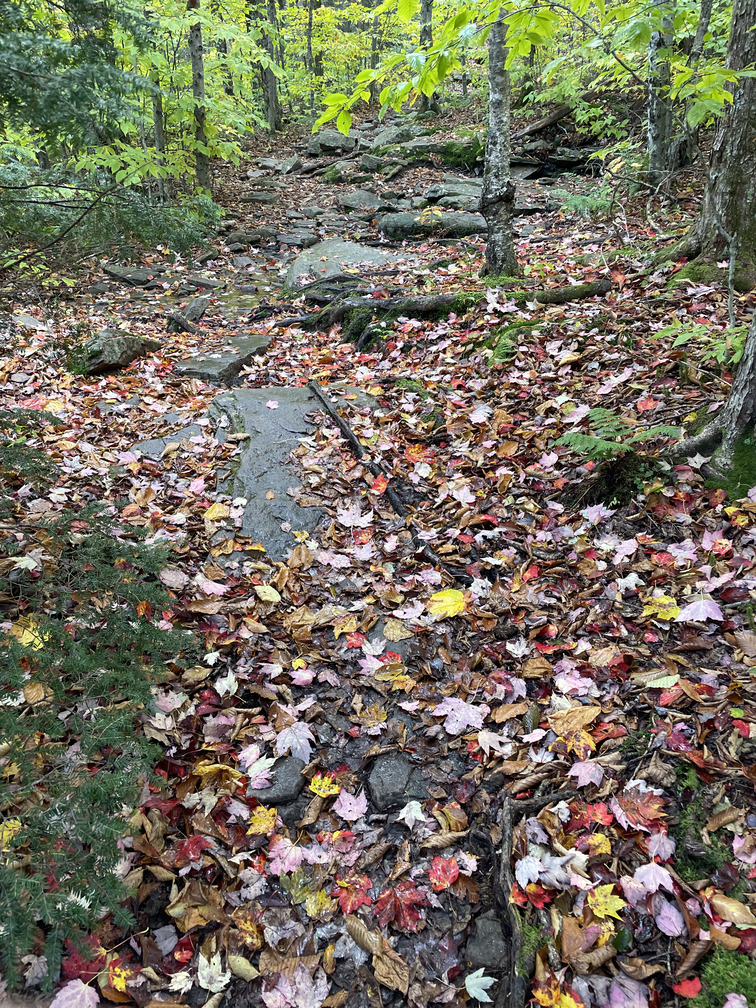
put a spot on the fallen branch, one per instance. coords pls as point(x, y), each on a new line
point(560, 112)
point(390, 494)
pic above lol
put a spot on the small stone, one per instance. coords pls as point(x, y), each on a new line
point(223, 366)
point(394, 780)
point(359, 199)
point(133, 276)
point(299, 239)
point(260, 197)
point(286, 783)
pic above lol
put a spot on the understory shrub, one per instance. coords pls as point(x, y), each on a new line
point(80, 650)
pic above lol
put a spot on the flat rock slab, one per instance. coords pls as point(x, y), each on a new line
point(263, 468)
point(155, 447)
point(112, 349)
point(225, 365)
point(286, 782)
point(333, 256)
point(419, 225)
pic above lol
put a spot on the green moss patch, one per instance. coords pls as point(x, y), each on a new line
point(723, 973)
point(742, 476)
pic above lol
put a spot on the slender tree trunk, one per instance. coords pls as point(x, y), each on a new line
point(497, 201)
point(727, 220)
point(427, 102)
point(269, 79)
point(196, 53)
point(684, 146)
point(659, 108)
point(310, 67)
point(158, 135)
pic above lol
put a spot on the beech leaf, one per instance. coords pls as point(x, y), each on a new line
point(76, 994)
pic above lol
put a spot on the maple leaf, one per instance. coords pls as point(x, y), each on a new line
point(352, 517)
point(604, 904)
point(460, 715)
point(476, 985)
point(256, 766)
point(211, 975)
point(688, 988)
point(653, 877)
point(588, 772)
point(284, 855)
point(324, 785)
point(699, 611)
point(663, 607)
point(76, 994)
point(638, 806)
point(411, 814)
point(352, 892)
point(400, 906)
point(450, 602)
point(350, 807)
point(296, 740)
point(262, 821)
point(443, 872)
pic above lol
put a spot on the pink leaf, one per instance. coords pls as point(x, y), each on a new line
point(701, 609)
point(76, 994)
point(652, 877)
point(284, 856)
point(350, 807)
point(272, 403)
point(588, 772)
point(460, 715)
point(670, 921)
point(296, 740)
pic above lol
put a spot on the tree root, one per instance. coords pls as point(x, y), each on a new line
point(562, 295)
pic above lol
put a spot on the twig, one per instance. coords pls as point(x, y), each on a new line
point(390, 494)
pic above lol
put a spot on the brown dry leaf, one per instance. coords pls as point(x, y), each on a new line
point(638, 968)
point(697, 951)
point(746, 641)
point(731, 909)
point(508, 711)
point(441, 840)
point(394, 630)
point(197, 906)
point(368, 940)
point(273, 962)
point(724, 939)
point(571, 938)
point(723, 818)
point(336, 1000)
point(536, 668)
point(589, 962)
point(659, 772)
point(390, 969)
point(573, 719)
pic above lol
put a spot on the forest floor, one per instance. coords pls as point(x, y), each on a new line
point(567, 716)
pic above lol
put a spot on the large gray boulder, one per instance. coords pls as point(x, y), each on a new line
point(264, 475)
point(335, 255)
point(422, 225)
point(330, 141)
point(112, 349)
point(221, 367)
point(391, 135)
point(360, 199)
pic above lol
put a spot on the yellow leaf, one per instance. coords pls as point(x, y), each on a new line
point(267, 593)
point(731, 909)
point(299, 663)
point(262, 821)
point(8, 830)
point(242, 967)
point(450, 602)
point(598, 843)
point(117, 977)
point(217, 511)
point(205, 769)
point(663, 607)
point(394, 630)
point(26, 630)
point(344, 625)
point(324, 785)
point(318, 903)
point(603, 904)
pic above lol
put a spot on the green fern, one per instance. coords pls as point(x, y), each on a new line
point(612, 435)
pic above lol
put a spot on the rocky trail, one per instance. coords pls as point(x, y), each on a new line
point(460, 727)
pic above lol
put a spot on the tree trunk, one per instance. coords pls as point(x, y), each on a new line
point(427, 102)
point(269, 79)
point(659, 108)
point(158, 134)
point(497, 200)
point(684, 147)
point(727, 220)
point(196, 53)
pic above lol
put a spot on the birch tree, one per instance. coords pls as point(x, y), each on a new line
point(196, 54)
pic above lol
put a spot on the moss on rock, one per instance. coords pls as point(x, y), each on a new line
point(702, 272)
point(741, 476)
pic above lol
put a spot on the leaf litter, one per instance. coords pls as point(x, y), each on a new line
point(595, 660)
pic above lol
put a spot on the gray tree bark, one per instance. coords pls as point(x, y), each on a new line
point(158, 133)
point(269, 80)
point(497, 200)
point(659, 108)
point(196, 54)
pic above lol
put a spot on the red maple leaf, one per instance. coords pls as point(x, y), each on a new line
point(191, 849)
point(352, 892)
point(443, 872)
point(400, 906)
point(86, 962)
point(688, 988)
point(640, 809)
